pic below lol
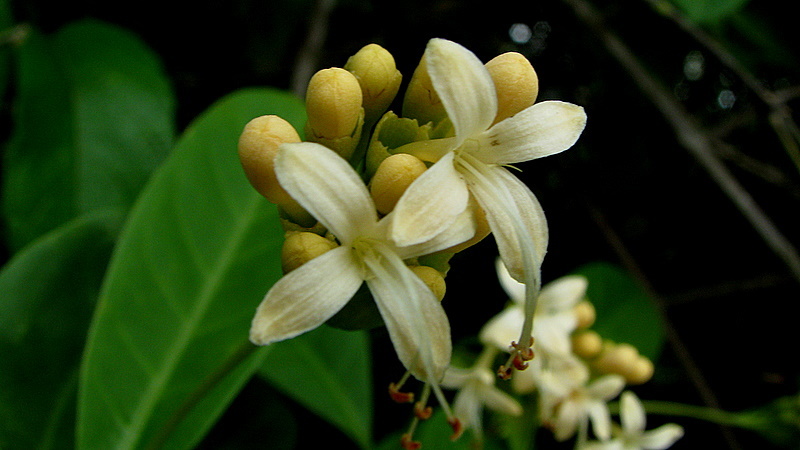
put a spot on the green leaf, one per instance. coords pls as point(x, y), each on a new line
point(709, 11)
point(329, 372)
point(625, 313)
point(49, 292)
point(168, 347)
point(93, 118)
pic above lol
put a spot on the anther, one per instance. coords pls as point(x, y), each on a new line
point(422, 412)
point(400, 397)
point(408, 443)
point(519, 362)
point(504, 372)
point(458, 428)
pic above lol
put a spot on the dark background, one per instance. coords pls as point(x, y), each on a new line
point(628, 193)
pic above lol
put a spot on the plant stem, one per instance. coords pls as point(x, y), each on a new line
point(713, 415)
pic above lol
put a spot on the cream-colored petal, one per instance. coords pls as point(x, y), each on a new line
point(563, 293)
point(503, 328)
point(462, 229)
point(455, 377)
point(327, 187)
point(415, 319)
point(464, 86)
point(514, 215)
point(631, 413)
point(601, 419)
point(499, 401)
point(430, 204)
point(468, 407)
point(552, 337)
point(606, 387)
point(430, 150)
point(514, 289)
point(543, 129)
point(662, 437)
point(306, 297)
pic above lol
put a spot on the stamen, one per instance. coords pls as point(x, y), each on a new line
point(458, 428)
point(422, 412)
point(394, 390)
point(408, 444)
point(516, 360)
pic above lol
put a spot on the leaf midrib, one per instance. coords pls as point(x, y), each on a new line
point(150, 398)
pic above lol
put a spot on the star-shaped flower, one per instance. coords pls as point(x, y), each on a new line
point(633, 436)
point(568, 400)
point(476, 389)
point(471, 162)
point(553, 321)
point(331, 191)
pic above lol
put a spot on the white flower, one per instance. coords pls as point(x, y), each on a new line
point(472, 162)
point(553, 321)
point(633, 436)
point(330, 190)
point(567, 400)
point(476, 389)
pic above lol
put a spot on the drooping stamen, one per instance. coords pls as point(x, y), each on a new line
point(401, 397)
point(407, 442)
point(458, 428)
point(421, 410)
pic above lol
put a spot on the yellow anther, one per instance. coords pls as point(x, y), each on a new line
point(375, 69)
point(333, 103)
point(392, 178)
point(301, 247)
point(515, 81)
point(432, 278)
point(587, 344)
point(258, 146)
point(585, 314)
point(421, 102)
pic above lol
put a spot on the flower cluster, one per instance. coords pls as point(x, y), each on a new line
point(384, 200)
point(574, 375)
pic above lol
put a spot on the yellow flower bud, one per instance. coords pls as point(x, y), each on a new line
point(640, 372)
point(392, 178)
point(375, 69)
point(587, 344)
point(333, 102)
point(515, 81)
point(432, 278)
point(301, 247)
point(421, 102)
point(616, 358)
point(258, 146)
point(585, 314)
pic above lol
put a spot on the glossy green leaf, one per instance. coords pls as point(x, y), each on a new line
point(93, 117)
point(329, 372)
point(168, 347)
point(49, 290)
point(625, 313)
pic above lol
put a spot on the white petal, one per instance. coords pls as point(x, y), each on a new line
point(511, 209)
point(552, 337)
point(503, 328)
point(430, 204)
point(327, 187)
point(462, 229)
point(601, 419)
point(563, 293)
point(514, 289)
point(543, 129)
point(662, 437)
point(606, 387)
point(469, 409)
point(499, 401)
point(569, 417)
point(416, 322)
point(455, 377)
point(631, 413)
point(464, 86)
point(306, 297)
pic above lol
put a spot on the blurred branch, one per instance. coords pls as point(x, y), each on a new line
point(691, 136)
point(306, 63)
point(780, 116)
